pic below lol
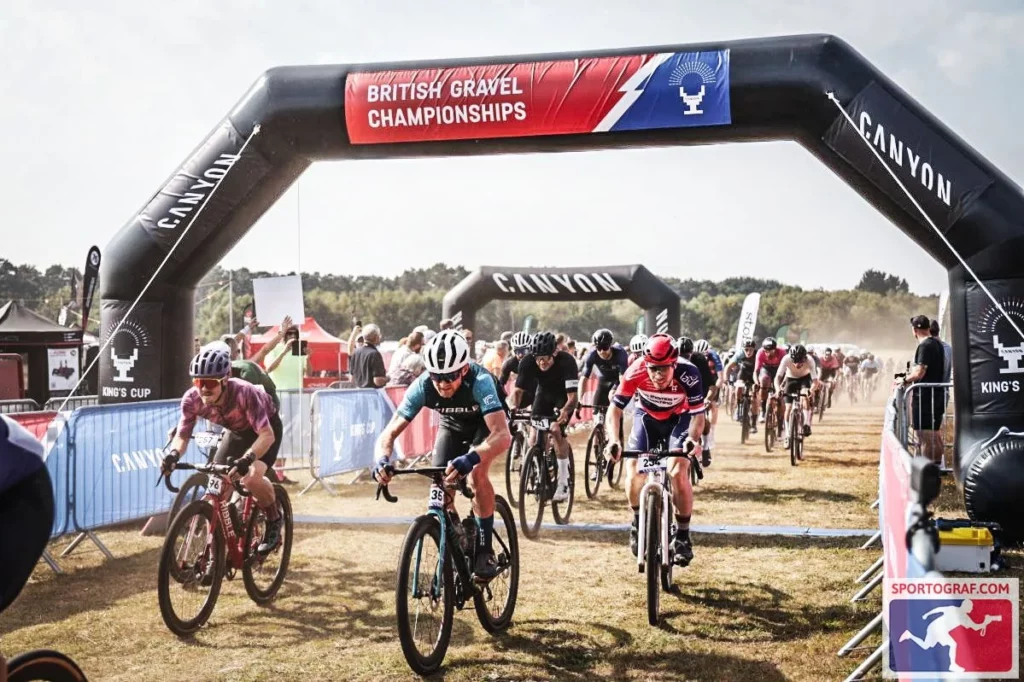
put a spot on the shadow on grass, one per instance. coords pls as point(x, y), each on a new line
point(90, 588)
point(729, 493)
point(551, 649)
point(710, 540)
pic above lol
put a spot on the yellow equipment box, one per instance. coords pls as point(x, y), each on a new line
point(967, 550)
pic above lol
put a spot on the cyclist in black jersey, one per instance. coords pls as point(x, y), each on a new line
point(473, 430)
point(520, 344)
point(553, 372)
point(744, 363)
point(611, 361)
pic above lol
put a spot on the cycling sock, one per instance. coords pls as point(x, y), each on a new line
point(682, 526)
point(563, 471)
point(486, 528)
point(636, 516)
point(711, 440)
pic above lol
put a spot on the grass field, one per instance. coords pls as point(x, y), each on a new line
point(749, 608)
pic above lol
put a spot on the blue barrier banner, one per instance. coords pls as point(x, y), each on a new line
point(116, 452)
point(57, 464)
point(348, 423)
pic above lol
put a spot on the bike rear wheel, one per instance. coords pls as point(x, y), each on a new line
point(496, 601)
point(595, 463)
point(187, 565)
point(652, 556)
point(745, 421)
point(424, 600)
point(43, 665)
point(262, 575)
point(514, 466)
point(532, 492)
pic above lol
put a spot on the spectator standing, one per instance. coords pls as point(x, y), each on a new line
point(412, 346)
point(947, 350)
point(496, 357)
point(929, 404)
point(412, 366)
point(367, 364)
point(284, 363)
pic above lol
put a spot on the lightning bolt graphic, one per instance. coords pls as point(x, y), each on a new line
point(632, 92)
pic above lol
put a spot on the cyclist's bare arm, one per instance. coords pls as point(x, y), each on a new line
point(570, 407)
point(697, 427)
point(498, 440)
point(264, 439)
point(615, 422)
point(515, 398)
point(385, 445)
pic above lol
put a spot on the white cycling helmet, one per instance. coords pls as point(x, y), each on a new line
point(520, 340)
point(702, 347)
point(637, 343)
point(447, 352)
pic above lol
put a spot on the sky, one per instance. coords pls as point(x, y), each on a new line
point(104, 100)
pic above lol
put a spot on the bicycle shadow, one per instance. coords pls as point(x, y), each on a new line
point(766, 495)
point(552, 649)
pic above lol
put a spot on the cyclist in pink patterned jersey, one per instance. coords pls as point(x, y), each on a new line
point(252, 430)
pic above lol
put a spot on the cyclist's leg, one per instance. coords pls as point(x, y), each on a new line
point(26, 520)
point(682, 492)
point(448, 445)
point(232, 446)
point(789, 405)
point(764, 379)
point(480, 481)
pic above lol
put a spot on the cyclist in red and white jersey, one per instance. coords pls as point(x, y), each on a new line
point(766, 365)
point(669, 399)
point(252, 430)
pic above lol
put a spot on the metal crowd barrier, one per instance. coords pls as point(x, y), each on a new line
point(74, 402)
point(910, 405)
point(18, 405)
point(908, 484)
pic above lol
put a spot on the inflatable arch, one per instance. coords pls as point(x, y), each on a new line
point(761, 89)
point(635, 282)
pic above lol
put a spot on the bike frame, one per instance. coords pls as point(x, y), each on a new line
point(656, 480)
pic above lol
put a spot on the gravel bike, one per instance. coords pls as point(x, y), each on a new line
point(540, 479)
point(597, 465)
point(435, 571)
point(43, 665)
point(518, 424)
point(212, 538)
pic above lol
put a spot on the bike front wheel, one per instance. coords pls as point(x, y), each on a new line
point(563, 510)
point(191, 569)
point(595, 462)
point(795, 435)
point(514, 466)
point(532, 492)
point(496, 600)
point(424, 597)
point(652, 557)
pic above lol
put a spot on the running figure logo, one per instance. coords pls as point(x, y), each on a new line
point(953, 637)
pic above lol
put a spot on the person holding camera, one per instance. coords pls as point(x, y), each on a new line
point(288, 362)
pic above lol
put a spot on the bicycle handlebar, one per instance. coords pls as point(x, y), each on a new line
point(436, 473)
point(219, 469)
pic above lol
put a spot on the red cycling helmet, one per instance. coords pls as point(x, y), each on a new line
point(661, 349)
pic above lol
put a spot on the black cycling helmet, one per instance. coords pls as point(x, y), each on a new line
point(685, 345)
point(798, 352)
point(603, 339)
point(210, 363)
point(769, 343)
point(749, 343)
point(543, 344)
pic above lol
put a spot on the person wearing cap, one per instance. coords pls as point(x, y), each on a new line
point(929, 404)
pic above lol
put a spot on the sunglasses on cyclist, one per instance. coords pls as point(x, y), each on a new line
point(659, 368)
point(208, 384)
point(447, 377)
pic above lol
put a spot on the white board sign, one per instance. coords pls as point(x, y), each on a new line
point(276, 297)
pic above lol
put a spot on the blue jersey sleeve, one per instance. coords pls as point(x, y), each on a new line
point(715, 358)
point(485, 391)
point(588, 364)
point(689, 376)
point(415, 398)
point(621, 359)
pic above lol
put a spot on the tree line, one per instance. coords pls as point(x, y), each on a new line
point(874, 312)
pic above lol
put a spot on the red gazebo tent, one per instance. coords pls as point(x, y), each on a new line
point(327, 353)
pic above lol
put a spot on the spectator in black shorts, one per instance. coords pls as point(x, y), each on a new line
point(929, 404)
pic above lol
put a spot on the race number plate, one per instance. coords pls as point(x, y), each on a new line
point(214, 484)
point(541, 423)
point(648, 464)
point(207, 439)
point(436, 497)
